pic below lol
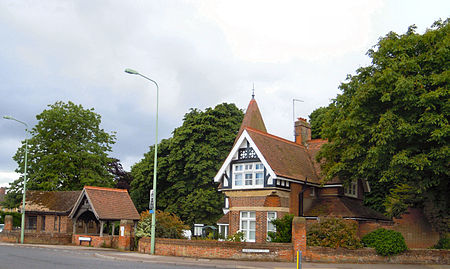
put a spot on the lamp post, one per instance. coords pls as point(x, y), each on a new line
point(155, 164)
point(22, 226)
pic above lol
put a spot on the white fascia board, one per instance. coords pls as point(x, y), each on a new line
point(236, 147)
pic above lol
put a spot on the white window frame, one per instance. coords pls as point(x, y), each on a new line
point(268, 222)
point(351, 189)
point(225, 234)
point(313, 192)
point(248, 220)
point(247, 175)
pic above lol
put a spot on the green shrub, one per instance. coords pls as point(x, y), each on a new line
point(237, 237)
point(283, 228)
point(443, 243)
point(386, 242)
point(333, 233)
point(17, 217)
point(168, 225)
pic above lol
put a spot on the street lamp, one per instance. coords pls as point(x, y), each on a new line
point(152, 249)
point(22, 227)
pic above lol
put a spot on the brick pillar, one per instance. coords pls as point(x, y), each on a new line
point(299, 235)
point(125, 235)
point(8, 223)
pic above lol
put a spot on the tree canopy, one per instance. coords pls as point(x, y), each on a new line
point(187, 163)
point(390, 125)
point(66, 151)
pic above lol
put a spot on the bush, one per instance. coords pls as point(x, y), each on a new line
point(385, 242)
point(237, 237)
point(443, 243)
point(283, 228)
point(17, 217)
point(333, 233)
point(168, 225)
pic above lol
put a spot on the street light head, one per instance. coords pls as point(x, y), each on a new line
point(131, 71)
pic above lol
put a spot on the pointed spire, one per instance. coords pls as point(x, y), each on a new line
point(252, 119)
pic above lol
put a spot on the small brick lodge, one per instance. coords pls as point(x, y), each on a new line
point(265, 177)
point(78, 212)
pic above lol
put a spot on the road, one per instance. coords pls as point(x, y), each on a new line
point(30, 257)
point(68, 257)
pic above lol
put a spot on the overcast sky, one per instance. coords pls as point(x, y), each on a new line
point(201, 53)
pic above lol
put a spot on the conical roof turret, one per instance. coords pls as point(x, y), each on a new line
point(252, 119)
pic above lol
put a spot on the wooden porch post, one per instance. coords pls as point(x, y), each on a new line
point(113, 227)
point(101, 228)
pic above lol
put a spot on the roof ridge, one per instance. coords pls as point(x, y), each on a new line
point(275, 137)
point(105, 189)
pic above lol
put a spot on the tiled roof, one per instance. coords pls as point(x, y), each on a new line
point(252, 119)
point(342, 207)
point(51, 201)
point(286, 158)
point(225, 219)
point(111, 204)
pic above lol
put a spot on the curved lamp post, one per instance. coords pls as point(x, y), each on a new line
point(152, 249)
point(22, 226)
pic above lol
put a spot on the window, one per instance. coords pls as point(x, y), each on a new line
point(227, 202)
point(270, 226)
point(42, 223)
point(248, 225)
point(351, 189)
point(223, 231)
point(55, 224)
point(31, 223)
point(313, 192)
point(248, 175)
point(198, 229)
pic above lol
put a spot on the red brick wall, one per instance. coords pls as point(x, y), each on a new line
point(36, 238)
point(412, 225)
point(107, 241)
point(299, 234)
point(368, 255)
point(217, 250)
point(293, 199)
point(247, 201)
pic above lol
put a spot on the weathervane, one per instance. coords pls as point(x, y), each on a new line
point(253, 91)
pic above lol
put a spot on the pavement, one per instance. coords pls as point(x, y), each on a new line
point(114, 254)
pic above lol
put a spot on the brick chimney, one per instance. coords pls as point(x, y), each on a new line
point(2, 190)
point(302, 131)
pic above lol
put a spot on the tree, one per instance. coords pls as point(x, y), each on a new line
point(168, 225)
point(122, 178)
point(390, 125)
point(317, 119)
point(67, 150)
point(187, 163)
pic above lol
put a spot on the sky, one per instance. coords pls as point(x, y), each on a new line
point(201, 53)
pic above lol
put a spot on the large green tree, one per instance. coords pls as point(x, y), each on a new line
point(187, 163)
point(66, 151)
point(390, 125)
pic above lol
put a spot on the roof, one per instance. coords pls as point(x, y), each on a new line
point(286, 158)
point(252, 119)
point(225, 219)
point(109, 204)
point(343, 207)
point(51, 201)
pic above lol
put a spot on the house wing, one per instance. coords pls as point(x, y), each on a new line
point(286, 158)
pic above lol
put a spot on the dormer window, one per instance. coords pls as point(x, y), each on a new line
point(351, 189)
point(248, 175)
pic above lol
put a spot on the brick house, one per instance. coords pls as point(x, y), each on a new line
point(265, 177)
point(77, 212)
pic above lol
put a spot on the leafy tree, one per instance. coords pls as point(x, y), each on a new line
point(390, 125)
point(168, 225)
point(187, 163)
point(317, 119)
point(67, 150)
point(122, 178)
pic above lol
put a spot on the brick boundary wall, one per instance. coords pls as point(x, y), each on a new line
point(36, 238)
point(219, 250)
point(106, 241)
point(369, 255)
